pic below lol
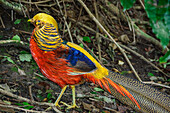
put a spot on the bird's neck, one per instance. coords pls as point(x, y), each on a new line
point(47, 37)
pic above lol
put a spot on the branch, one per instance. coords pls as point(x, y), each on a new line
point(27, 100)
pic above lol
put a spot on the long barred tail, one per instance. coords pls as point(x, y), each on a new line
point(146, 98)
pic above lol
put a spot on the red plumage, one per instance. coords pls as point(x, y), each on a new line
point(52, 66)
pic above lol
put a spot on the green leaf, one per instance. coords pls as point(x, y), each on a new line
point(10, 60)
point(25, 103)
point(124, 72)
point(87, 39)
point(108, 100)
point(50, 101)
point(15, 69)
point(98, 89)
point(127, 4)
point(19, 104)
point(93, 92)
point(165, 58)
point(23, 52)
point(92, 37)
point(16, 37)
point(17, 21)
point(28, 107)
point(81, 45)
point(49, 91)
point(158, 13)
point(25, 57)
point(49, 96)
point(151, 74)
point(162, 32)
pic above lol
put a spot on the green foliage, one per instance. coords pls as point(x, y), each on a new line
point(81, 45)
point(15, 69)
point(8, 59)
point(151, 74)
point(26, 105)
point(25, 56)
point(49, 95)
point(127, 4)
point(98, 89)
point(106, 99)
point(165, 58)
point(17, 21)
point(86, 39)
point(158, 13)
point(16, 37)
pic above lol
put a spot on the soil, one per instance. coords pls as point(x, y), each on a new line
point(21, 81)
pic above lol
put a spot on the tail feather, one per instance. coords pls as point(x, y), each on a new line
point(130, 96)
point(105, 85)
point(143, 97)
point(116, 86)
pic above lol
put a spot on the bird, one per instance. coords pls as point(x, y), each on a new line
point(68, 64)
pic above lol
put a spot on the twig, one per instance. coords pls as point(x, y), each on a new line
point(2, 22)
point(131, 27)
point(157, 84)
point(110, 109)
point(22, 9)
point(40, 75)
point(27, 100)
point(65, 21)
point(16, 43)
point(26, 110)
point(25, 32)
point(10, 5)
point(122, 51)
point(30, 92)
point(142, 4)
point(97, 34)
point(143, 58)
point(39, 2)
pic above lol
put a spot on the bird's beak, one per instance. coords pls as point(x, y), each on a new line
point(30, 20)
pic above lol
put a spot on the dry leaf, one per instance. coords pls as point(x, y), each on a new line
point(120, 62)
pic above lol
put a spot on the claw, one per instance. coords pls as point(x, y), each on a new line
point(69, 106)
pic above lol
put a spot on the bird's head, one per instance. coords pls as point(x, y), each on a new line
point(46, 33)
point(41, 18)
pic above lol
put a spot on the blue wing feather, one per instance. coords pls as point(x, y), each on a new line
point(75, 55)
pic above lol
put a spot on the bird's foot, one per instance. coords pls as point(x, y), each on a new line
point(57, 105)
point(69, 106)
point(49, 108)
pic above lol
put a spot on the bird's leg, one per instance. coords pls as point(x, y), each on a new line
point(59, 97)
point(74, 99)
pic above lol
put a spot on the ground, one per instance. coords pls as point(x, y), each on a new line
point(23, 77)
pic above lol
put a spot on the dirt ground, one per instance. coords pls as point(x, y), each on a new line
point(23, 78)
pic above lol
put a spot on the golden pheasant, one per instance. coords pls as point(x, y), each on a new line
point(67, 64)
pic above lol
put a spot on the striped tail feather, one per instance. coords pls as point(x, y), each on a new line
point(141, 97)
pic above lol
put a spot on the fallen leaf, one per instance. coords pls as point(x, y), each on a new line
point(21, 72)
point(5, 87)
point(88, 106)
point(120, 62)
point(124, 39)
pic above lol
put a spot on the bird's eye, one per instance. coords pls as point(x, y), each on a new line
point(38, 22)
